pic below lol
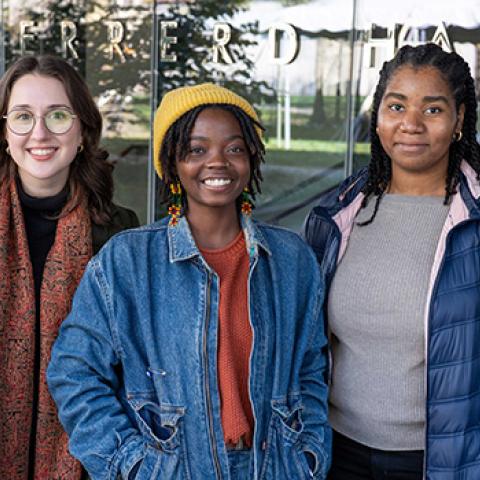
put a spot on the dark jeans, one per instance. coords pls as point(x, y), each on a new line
point(354, 461)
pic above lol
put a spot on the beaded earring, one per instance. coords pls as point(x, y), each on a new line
point(246, 202)
point(175, 208)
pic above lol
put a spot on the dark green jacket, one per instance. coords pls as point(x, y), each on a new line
point(123, 219)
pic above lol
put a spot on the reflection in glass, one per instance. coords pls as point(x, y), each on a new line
point(306, 146)
point(189, 36)
point(383, 27)
point(295, 68)
point(109, 44)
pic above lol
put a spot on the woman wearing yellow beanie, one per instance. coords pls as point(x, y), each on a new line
point(195, 347)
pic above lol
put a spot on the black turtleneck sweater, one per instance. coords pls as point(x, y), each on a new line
point(40, 228)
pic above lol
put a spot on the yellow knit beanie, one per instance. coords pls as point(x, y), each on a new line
point(179, 101)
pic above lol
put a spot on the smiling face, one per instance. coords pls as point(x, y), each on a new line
point(43, 158)
point(217, 165)
point(417, 120)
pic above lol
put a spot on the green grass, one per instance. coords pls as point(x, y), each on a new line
point(330, 146)
point(142, 112)
point(333, 126)
point(284, 170)
point(290, 176)
point(117, 145)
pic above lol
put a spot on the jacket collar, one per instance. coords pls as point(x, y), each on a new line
point(342, 196)
point(182, 245)
point(343, 206)
point(254, 237)
point(470, 189)
point(349, 192)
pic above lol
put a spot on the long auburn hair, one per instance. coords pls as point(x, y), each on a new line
point(456, 72)
point(90, 172)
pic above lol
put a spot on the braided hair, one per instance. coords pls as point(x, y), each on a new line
point(176, 145)
point(456, 72)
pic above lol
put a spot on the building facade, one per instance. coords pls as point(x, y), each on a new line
point(310, 67)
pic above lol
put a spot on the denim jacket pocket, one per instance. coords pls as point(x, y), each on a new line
point(166, 385)
point(162, 428)
point(284, 459)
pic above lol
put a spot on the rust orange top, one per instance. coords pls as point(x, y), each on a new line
point(235, 339)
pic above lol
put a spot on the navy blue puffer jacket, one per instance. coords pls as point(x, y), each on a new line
point(452, 319)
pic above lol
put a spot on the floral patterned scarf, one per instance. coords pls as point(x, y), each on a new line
point(64, 267)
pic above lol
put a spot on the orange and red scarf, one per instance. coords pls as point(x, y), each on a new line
point(64, 267)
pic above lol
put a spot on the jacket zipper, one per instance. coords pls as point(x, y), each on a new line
point(255, 432)
point(207, 384)
point(337, 236)
point(427, 342)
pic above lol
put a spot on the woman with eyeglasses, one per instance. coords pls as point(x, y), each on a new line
point(56, 211)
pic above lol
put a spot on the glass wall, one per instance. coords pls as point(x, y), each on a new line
point(109, 43)
point(309, 66)
point(383, 27)
point(292, 59)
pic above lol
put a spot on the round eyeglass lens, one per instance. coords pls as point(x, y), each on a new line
point(59, 121)
point(20, 121)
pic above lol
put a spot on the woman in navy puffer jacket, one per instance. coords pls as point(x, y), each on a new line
point(399, 244)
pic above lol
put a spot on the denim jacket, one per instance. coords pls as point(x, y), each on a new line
point(134, 372)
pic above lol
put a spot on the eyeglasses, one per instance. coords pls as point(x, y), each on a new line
point(58, 121)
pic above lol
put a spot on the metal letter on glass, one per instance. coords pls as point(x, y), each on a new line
point(292, 43)
point(166, 41)
point(115, 35)
point(69, 33)
point(222, 34)
point(25, 35)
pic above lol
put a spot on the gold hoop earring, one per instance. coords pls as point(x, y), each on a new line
point(458, 136)
point(80, 148)
point(7, 149)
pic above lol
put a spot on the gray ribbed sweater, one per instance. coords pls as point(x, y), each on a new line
point(376, 316)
